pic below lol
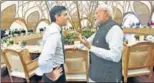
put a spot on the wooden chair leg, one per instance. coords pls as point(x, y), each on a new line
point(27, 79)
point(150, 76)
point(151, 72)
point(11, 79)
point(125, 79)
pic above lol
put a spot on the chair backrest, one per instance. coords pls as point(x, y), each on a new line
point(18, 61)
point(153, 55)
point(2, 59)
point(13, 60)
point(26, 58)
point(77, 61)
point(138, 55)
point(3, 65)
point(28, 63)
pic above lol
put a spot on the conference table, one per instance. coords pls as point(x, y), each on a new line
point(38, 48)
point(130, 43)
point(18, 48)
point(31, 48)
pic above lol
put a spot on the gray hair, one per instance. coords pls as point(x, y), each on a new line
point(107, 8)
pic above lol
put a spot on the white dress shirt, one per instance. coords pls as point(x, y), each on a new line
point(52, 52)
point(115, 40)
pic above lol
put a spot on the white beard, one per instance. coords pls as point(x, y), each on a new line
point(98, 22)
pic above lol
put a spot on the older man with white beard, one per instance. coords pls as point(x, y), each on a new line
point(105, 48)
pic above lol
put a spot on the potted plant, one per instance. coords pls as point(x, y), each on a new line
point(23, 43)
point(8, 41)
point(87, 32)
point(71, 37)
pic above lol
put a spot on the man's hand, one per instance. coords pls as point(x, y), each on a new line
point(74, 48)
point(85, 41)
point(55, 74)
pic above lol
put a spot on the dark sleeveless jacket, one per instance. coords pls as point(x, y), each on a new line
point(102, 70)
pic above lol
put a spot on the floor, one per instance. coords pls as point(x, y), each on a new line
point(35, 79)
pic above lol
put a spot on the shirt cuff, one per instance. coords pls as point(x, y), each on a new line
point(92, 49)
point(80, 46)
point(97, 50)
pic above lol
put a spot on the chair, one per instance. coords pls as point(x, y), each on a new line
point(76, 65)
point(2, 61)
point(137, 60)
point(153, 55)
point(3, 66)
point(20, 64)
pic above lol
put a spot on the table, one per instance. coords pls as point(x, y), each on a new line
point(130, 43)
point(31, 48)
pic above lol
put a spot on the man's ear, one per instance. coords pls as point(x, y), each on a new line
point(106, 14)
point(57, 17)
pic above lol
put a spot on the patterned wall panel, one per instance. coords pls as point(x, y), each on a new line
point(7, 16)
point(32, 20)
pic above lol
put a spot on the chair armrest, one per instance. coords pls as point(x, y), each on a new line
point(35, 59)
point(32, 61)
point(32, 65)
